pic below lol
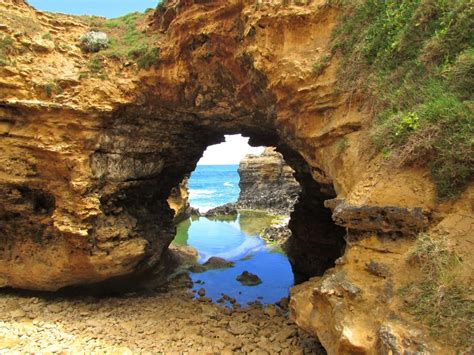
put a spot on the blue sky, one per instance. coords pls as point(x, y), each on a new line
point(106, 8)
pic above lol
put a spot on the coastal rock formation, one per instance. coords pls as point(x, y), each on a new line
point(88, 162)
point(178, 201)
point(228, 209)
point(267, 182)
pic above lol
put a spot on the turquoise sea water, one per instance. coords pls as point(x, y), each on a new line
point(234, 239)
point(213, 185)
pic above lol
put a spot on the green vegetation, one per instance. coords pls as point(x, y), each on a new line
point(6, 48)
point(415, 58)
point(322, 63)
point(127, 41)
point(160, 7)
point(95, 66)
point(342, 145)
point(441, 300)
point(51, 89)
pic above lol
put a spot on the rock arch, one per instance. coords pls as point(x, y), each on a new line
point(85, 174)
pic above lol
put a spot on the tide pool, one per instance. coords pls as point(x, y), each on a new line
point(236, 239)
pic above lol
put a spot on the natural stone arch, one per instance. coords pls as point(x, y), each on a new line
point(105, 164)
point(141, 195)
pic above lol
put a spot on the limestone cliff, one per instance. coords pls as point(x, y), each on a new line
point(267, 182)
point(88, 162)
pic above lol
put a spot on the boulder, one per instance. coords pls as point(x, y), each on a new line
point(249, 279)
point(215, 262)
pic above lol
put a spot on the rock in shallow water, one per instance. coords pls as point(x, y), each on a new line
point(215, 262)
point(224, 210)
point(249, 279)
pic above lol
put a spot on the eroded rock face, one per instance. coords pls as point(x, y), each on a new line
point(178, 201)
point(267, 182)
point(383, 219)
point(355, 307)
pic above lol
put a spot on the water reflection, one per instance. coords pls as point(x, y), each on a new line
point(235, 239)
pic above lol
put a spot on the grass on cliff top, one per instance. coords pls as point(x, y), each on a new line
point(127, 41)
point(415, 59)
point(442, 299)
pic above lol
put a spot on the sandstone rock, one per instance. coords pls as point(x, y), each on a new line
point(383, 219)
point(248, 279)
point(18, 313)
point(201, 292)
point(284, 303)
point(285, 334)
point(267, 182)
point(178, 201)
point(55, 308)
point(86, 174)
point(237, 328)
point(270, 310)
point(197, 268)
point(377, 269)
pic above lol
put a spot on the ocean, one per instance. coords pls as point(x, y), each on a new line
point(213, 185)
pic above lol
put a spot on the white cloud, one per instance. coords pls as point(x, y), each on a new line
point(230, 152)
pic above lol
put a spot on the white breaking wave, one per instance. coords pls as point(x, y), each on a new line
point(249, 246)
point(228, 184)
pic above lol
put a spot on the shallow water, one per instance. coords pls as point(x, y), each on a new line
point(236, 239)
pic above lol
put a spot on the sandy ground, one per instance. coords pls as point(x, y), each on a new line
point(170, 323)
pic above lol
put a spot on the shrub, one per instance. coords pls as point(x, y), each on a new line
point(149, 59)
point(6, 48)
point(94, 41)
point(52, 89)
point(322, 63)
point(95, 66)
point(160, 7)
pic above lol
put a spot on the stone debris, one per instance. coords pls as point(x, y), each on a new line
point(166, 323)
